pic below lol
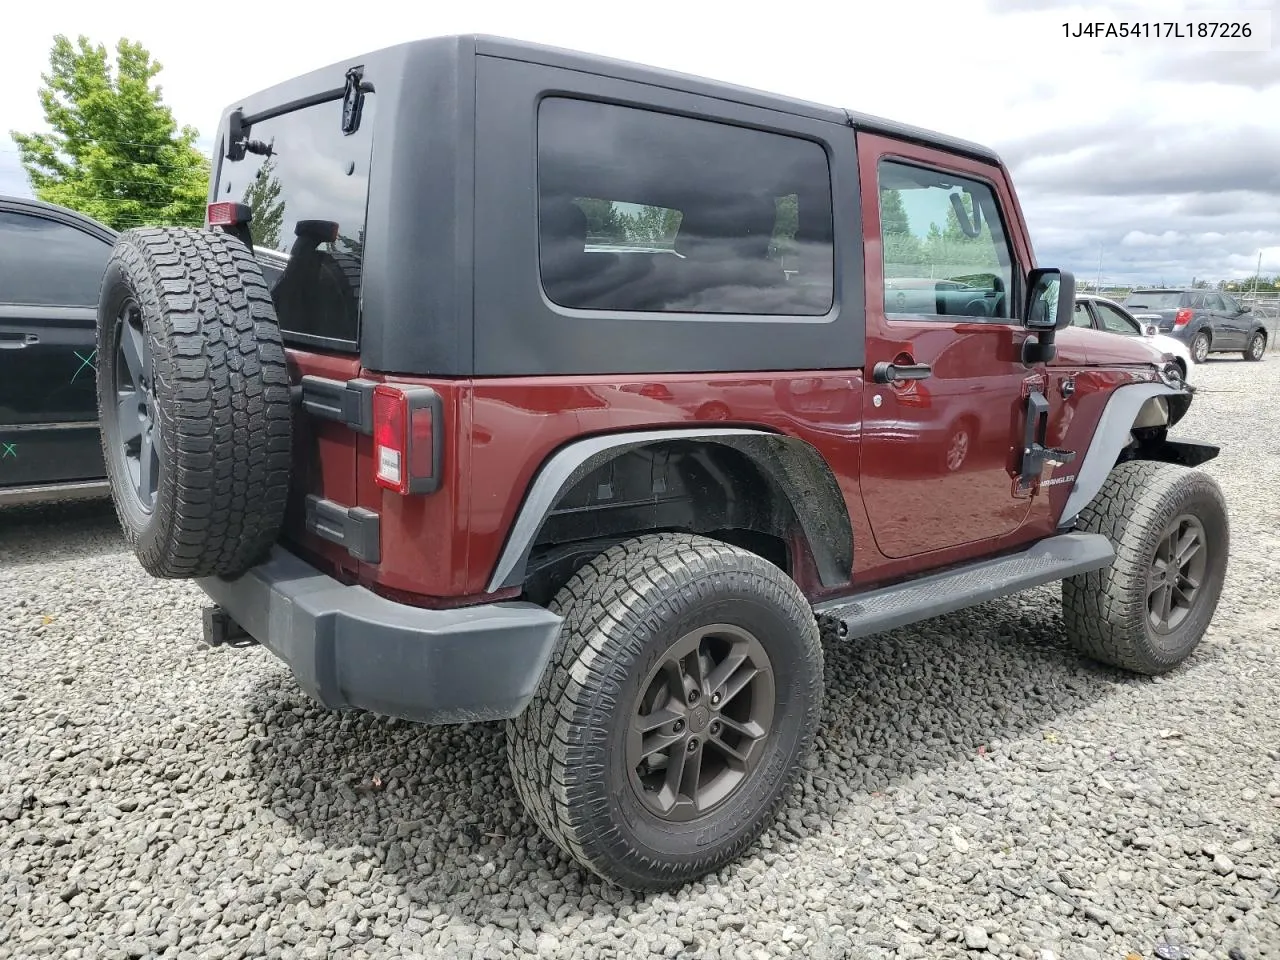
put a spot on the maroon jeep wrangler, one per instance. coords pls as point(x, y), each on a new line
point(511, 383)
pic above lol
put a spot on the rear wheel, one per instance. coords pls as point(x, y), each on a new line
point(1200, 347)
point(1148, 611)
point(1257, 346)
point(193, 401)
point(683, 696)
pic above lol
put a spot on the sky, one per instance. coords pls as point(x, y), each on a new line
point(1158, 156)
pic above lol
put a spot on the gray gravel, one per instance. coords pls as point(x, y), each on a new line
point(979, 791)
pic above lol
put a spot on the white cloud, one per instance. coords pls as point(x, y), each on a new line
point(1001, 75)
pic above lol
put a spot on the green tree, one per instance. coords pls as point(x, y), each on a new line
point(263, 197)
point(904, 254)
point(652, 226)
point(603, 220)
point(893, 214)
point(115, 151)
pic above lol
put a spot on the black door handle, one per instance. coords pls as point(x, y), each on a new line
point(885, 372)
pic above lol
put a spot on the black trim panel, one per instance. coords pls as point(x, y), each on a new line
point(355, 528)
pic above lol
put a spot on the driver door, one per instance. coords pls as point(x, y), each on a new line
point(944, 272)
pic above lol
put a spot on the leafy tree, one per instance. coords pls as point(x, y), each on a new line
point(603, 220)
point(893, 214)
point(652, 226)
point(904, 254)
point(263, 198)
point(115, 151)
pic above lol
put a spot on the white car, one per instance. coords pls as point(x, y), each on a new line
point(1099, 313)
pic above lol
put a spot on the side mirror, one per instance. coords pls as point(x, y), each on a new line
point(1245, 308)
point(1051, 298)
point(1150, 330)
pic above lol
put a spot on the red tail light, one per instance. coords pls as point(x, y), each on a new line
point(1182, 317)
point(407, 445)
point(228, 213)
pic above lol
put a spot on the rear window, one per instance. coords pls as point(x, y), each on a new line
point(309, 200)
point(646, 211)
point(1154, 300)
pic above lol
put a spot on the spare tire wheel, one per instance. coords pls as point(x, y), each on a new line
point(193, 401)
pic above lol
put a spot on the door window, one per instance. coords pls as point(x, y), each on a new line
point(1081, 317)
point(946, 251)
point(1213, 302)
point(1230, 304)
point(47, 263)
point(1114, 321)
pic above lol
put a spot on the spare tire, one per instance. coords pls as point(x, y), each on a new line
point(193, 401)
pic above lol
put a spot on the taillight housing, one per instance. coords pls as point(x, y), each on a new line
point(1182, 317)
point(407, 438)
point(228, 213)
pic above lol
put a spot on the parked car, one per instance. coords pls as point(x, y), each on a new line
point(1206, 320)
point(422, 484)
point(1098, 313)
point(51, 265)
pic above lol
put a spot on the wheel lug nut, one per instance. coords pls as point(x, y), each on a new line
point(694, 695)
point(678, 726)
point(715, 726)
point(693, 744)
point(715, 699)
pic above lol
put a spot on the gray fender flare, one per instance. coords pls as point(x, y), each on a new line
point(798, 469)
point(1109, 439)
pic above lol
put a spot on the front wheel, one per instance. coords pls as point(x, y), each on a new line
point(1257, 346)
point(1200, 347)
point(679, 705)
point(1148, 611)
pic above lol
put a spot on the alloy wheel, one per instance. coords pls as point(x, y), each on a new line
point(1176, 573)
point(701, 722)
point(135, 404)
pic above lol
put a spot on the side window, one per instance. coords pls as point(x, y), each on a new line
point(1197, 301)
point(1230, 304)
point(647, 211)
point(946, 252)
point(1080, 317)
point(1114, 321)
point(47, 263)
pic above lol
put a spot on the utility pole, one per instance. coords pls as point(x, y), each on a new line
point(1256, 274)
point(1098, 286)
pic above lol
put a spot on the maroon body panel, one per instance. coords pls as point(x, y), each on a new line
point(915, 503)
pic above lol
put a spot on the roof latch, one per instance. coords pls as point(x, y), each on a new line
point(353, 100)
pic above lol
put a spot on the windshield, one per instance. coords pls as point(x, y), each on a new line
point(1154, 299)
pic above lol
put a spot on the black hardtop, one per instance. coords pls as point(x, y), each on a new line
point(448, 288)
point(407, 55)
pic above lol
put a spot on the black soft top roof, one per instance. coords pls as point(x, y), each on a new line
point(410, 52)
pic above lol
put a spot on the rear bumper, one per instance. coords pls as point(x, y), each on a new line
point(350, 648)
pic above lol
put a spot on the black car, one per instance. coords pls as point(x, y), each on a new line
point(51, 264)
point(1206, 320)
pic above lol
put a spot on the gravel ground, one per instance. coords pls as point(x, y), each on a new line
point(980, 790)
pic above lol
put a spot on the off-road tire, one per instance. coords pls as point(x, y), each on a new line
point(621, 612)
point(220, 401)
point(1106, 611)
point(1201, 355)
point(1257, 348)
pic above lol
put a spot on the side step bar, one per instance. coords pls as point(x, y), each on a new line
point(888, 608)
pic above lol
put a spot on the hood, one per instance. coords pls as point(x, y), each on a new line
point(1078, 346)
